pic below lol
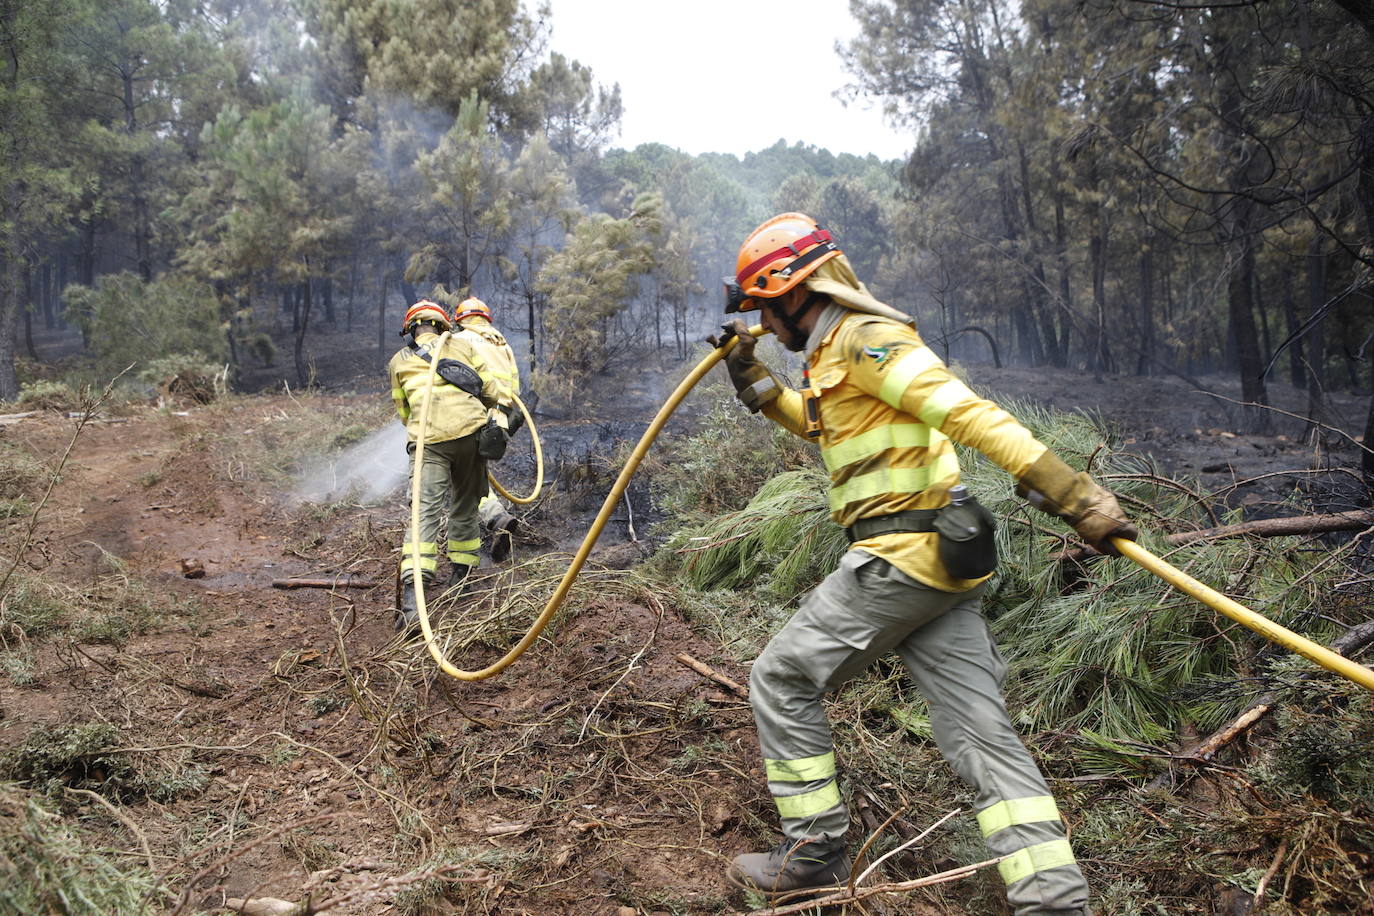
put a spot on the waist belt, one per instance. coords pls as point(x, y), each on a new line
point(910, 522)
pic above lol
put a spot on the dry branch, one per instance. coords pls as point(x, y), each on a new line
point(185, 897)
point(816, 903)
point(707, 671)
point(1354, 520)
point(336, 582)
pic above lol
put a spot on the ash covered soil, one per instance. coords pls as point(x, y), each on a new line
point(325, 756)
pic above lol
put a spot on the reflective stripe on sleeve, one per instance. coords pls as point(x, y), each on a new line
point(1030, 810)
point(1025, 862)
point(893, 480)
point(809, 804)
point(807, 769)
point(873, 441)
point(901, 375)
point(942, 400)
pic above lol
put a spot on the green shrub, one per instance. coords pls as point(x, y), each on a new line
point(45, 394)
point(132, 322)
point(20, 472)
point(34, 607)
point(186, 376)
point(90, 756)
point(47, 866)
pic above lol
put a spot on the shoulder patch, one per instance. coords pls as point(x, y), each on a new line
point(885, 354)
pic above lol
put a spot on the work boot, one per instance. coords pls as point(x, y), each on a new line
point(458, 575)
point(407, 616)
point(791, 865)
point(502, 531)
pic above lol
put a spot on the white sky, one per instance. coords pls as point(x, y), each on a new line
point(725, 76)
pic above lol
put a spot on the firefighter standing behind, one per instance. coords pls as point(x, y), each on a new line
point(472, 320)
point(467, 428)
point(884, 409)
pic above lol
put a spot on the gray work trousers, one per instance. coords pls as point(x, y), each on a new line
point(862, 610)
point(453, 478)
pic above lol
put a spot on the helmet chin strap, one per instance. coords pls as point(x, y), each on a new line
point(792, 322)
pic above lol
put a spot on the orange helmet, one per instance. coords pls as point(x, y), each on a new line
point(776, 257)
point(425, 310)
point(470, 307)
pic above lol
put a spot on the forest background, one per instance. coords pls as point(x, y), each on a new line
point(1127, 187)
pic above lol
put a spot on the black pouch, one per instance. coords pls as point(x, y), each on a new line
point(491, 442)
point(968, 548)
point(460, 375)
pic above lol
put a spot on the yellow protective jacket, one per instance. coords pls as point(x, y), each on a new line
point(492, 346)
point(888, 409)
point(454, 413)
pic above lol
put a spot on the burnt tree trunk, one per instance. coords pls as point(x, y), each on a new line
point(1296, 370)
point(302, 324)
point(143, 234)
point(1316, 298)
point(382, 355)
point(1145, 359)
point(1241, 306)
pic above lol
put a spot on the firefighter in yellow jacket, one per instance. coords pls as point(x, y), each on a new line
point(472, 323)
point(467, 428)
point(885, 412)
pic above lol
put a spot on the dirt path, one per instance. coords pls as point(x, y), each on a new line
point(598, 773)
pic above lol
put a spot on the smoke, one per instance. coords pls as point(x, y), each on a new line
point(368, 471)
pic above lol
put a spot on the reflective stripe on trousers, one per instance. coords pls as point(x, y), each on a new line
point(452, 479)
point(862, 610)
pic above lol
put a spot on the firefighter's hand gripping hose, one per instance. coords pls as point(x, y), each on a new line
point(1241, 614)
point(538, 460)
point(588, 542)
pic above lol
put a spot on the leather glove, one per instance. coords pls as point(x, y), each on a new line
point(1054, 487)
point(515, 418)
point(753, 383)
point(491, 440)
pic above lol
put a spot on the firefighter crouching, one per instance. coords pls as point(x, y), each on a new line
point(472, 323)
point(467, 428)
point(885, 411)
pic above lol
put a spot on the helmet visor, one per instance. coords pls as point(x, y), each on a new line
point(735, 299)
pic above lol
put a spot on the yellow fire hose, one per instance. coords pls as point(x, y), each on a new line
point(1127, 548)
point(1243, 615)
point(538, 459)
point(588, 542)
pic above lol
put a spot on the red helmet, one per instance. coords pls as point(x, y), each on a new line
point(776, 257)
point(425, 310)
point(470, 307)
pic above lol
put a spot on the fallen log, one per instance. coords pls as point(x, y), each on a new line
point(707, 671)
point(1354, 520)
point(336, 582)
